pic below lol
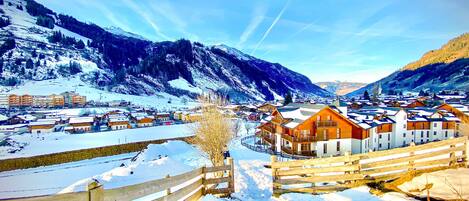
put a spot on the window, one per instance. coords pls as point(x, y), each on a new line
point(434, 124)
point(389, 137)
point(338, 145)
point(421, 134)
point(434, 132)
point(428, 135)
point(403, 135)
point(325, 134)
point(421, 140)
point(403, 143)
point(389, 145)
point(405, 125)
point(338, 133)
point(329, 117)
point(379, 145)
point(446, 133)
point(380, 136)
point(325, 148)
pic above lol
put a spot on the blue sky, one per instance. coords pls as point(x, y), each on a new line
point(324, 40)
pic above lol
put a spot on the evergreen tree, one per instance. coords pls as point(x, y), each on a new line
point(288, 99)
point(80, 45)
point(366, 96)
point(421, 93)
point(45, 21)
point(29, 64)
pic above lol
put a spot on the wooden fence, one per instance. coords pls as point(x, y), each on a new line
point(77, 155)
point(191, 185)
point(338, 173)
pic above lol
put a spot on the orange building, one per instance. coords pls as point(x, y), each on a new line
point(56, 100)
point(26, 100)
point(314, 130)
point(459, 110)
point(78, 100)
point(14, 100)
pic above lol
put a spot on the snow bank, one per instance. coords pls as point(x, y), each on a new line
point(61, 141)
point(447, 184)
point(155, 162)
point(183, 84)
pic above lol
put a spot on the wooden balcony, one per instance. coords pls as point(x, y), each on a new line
point(298, 139)
point(287, 150)
point(320, 124)
point(269, 139)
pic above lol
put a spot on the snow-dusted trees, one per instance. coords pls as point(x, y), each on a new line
point(213, 131)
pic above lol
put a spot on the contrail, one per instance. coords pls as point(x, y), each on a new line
point(271, 27)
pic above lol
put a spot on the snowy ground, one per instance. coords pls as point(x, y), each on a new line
point(60, 141)
point(158, 160)
point(252, 180)
point(447, 184)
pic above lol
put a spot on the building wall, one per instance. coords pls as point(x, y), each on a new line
point(331, 147)
point(42, 130)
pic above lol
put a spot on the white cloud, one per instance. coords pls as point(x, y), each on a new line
point(147, 17)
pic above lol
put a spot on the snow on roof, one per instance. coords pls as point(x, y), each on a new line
point(42, 123)
point(27, 117)
point(3, 117)
point(118, 119)
point(144, 117)
point(2, 127)
point(76, 120)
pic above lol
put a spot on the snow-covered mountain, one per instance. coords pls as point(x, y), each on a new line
point(446, 68)
point(36, 44)
point(121, 32)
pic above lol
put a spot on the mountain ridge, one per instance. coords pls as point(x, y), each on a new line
point(446, 68)
point(58, 45)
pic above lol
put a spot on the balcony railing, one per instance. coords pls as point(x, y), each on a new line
point(298, 139)
point(326, 124)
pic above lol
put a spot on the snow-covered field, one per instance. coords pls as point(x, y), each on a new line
point(60, 141)
point(252, 180)
point(158, 160)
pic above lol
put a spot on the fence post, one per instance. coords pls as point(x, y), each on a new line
point(204, 177)
point(465, 152)
point(95, 191)
point(273, 159)
point(168, 191)
point(231, 184)
point(452, 156)
point(348, 163)
point(411, 162)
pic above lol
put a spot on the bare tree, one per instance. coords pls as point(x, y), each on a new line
point(236, 127)
point(248, 127)
point(463, 129)
point(213, 130)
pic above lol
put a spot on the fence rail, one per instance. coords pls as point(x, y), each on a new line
point(190, 186)
point(263, 149)
point(338, 173)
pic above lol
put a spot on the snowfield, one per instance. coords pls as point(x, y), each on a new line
point(61, 141)
point(252, 180)
point(183, 84)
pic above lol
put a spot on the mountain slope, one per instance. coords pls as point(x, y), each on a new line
point(38, 44)
point(444, 68)
point(340, 88)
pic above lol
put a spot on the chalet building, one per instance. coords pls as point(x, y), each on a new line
point(144, 121)
point(267, 108)
point(414, 104)
point(72, 99)
point(313, 130)
point(322, 130)
point(460, 110)
point(163, 116)
point(39, 127)
point(118, 123)
point(191, 117)
point(80, 124)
